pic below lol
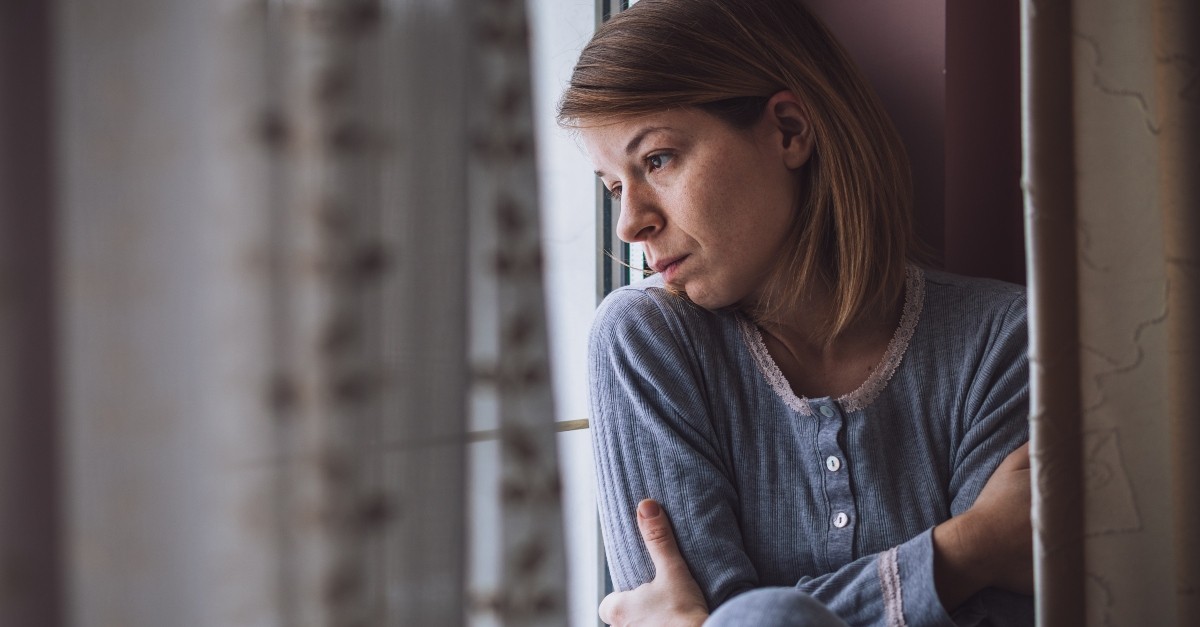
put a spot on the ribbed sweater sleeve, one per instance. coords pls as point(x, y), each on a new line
point(652, 439)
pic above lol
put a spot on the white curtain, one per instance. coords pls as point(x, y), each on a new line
point(294, 247)
point(1112, 151)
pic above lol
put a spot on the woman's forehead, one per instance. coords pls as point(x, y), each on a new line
point(624, 136)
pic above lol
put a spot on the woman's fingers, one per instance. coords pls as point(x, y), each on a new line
point(672, 597)
point(659, 539)
point(608, 611)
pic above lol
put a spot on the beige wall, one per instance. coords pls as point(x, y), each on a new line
point(1130, 91)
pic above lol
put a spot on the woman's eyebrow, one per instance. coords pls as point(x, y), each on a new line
point(637, 140)
point(641, 135)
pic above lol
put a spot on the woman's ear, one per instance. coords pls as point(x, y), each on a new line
point(792, 126)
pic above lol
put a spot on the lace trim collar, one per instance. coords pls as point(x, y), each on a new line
point(914, 299)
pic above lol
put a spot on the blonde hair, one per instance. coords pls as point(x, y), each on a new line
point(852, 229)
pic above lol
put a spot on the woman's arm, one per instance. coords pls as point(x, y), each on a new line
point(653, 439)
point(989, 545)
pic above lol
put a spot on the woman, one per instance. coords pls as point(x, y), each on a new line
point(823, 421)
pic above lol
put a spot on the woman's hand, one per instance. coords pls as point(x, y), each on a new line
point(991, 544)
point(1003, 508)
point(673, 598)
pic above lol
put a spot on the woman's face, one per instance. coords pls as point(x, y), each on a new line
point(710, 203)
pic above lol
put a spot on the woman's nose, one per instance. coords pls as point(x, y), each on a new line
point(640, 216)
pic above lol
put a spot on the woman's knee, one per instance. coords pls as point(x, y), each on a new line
point(773, 607)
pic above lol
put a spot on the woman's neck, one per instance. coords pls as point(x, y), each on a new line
point(816, 365)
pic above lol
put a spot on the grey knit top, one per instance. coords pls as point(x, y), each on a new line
point(834, 496)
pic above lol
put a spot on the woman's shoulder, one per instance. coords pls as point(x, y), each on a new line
point(647, 314)
point(974, 331)
point(974, 285)
point(973, 299)
point(643, 296)
point(648, 303)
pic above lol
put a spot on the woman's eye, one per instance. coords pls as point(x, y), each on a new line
point(658, 161)
point(614, 193)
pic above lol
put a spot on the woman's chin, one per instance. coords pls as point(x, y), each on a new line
point(705, 298)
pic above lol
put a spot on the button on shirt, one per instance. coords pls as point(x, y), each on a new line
point(839, 548)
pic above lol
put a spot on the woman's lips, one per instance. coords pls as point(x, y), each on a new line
point(669, 267)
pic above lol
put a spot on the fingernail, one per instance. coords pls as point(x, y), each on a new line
point(648, 509)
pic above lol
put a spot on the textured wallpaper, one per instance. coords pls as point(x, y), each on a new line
point(1135, 98)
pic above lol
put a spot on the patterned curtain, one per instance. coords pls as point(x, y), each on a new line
point(1112, 148)
point(292, 249)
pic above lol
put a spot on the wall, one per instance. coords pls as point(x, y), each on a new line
point(28, 545)
point(948, 75)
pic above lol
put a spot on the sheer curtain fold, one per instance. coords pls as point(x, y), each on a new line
point(511, 356)
point(265, 221)
point(1111, 115)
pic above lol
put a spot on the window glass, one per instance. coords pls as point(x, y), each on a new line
point(568, 196)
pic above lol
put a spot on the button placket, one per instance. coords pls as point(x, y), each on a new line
point(842, 513)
